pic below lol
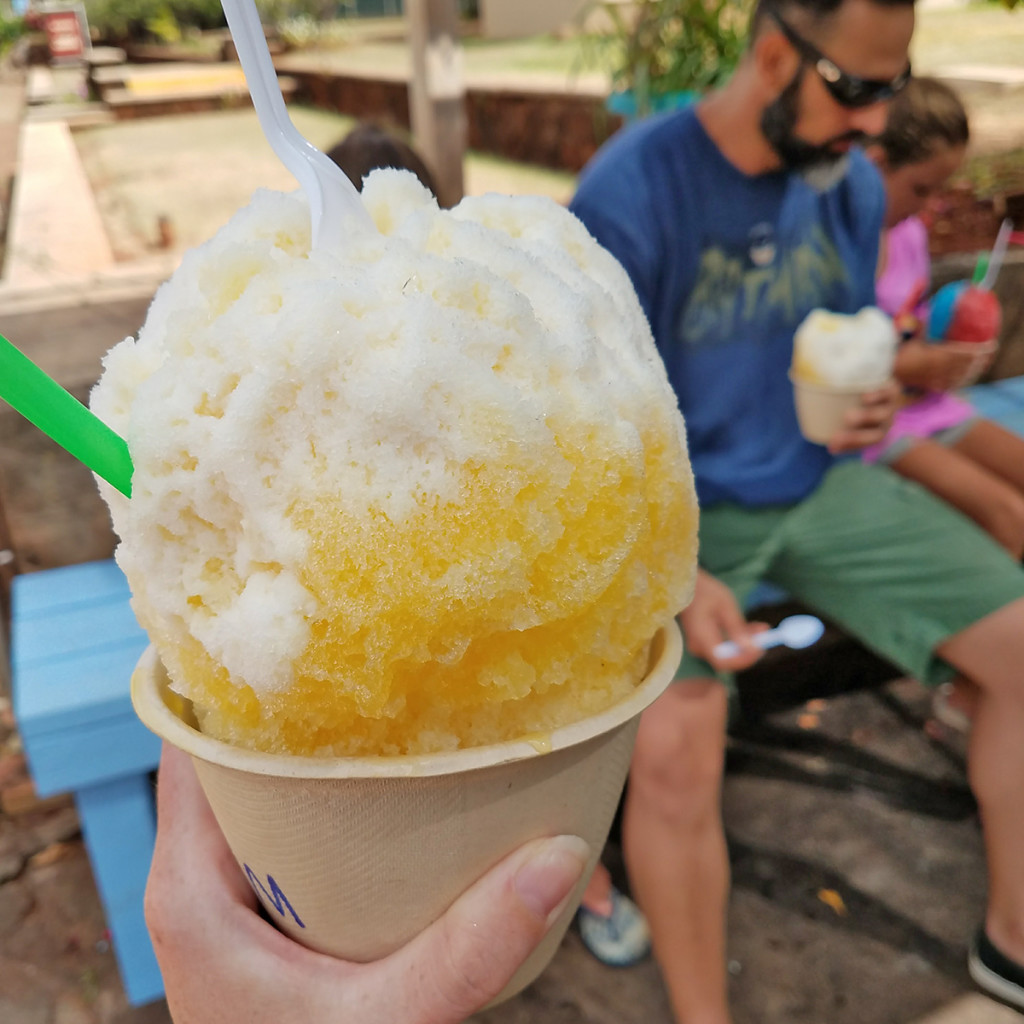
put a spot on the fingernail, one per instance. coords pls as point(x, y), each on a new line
point(546, 879)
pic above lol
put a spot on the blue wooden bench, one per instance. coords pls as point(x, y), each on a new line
point(74, 645)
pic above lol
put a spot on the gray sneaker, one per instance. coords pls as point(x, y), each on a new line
point(619, 939)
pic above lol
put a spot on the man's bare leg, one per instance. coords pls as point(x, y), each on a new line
point(991, 654)
point(675, 846)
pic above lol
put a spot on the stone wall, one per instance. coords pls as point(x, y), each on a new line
point(374, 99)
point(550, 129)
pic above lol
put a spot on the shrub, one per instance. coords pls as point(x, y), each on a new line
point(127, 21)
point(11, 30)
point(654, 47)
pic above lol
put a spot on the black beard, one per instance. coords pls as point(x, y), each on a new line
point(820, 165)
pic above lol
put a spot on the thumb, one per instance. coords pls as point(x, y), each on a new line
point(464, 959)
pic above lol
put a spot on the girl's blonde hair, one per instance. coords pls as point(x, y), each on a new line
point(924, 116)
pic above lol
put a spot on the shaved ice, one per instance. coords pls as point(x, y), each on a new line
point(422, 490)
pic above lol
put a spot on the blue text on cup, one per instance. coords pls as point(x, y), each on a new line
point(274, 895)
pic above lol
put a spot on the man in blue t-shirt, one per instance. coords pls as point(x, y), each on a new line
point(734, 219)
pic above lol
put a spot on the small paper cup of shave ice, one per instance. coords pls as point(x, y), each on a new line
point(821, 410)
point(354, 856)
point(981, 353)
point(836, 359)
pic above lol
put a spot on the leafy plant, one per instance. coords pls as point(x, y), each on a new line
point(277, 12)
point(654, 47)
point(122, 21)
point(11, 30)
point(169, 21)
point(165, 26)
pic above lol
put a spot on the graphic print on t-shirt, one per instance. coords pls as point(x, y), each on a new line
point(737, 296)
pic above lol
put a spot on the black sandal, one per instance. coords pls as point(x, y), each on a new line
point(995, 972)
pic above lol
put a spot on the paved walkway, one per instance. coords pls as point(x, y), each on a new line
point(51, 243)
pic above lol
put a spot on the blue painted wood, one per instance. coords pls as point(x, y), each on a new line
point(119, 827)
point(73, 629)
point(44, 592)
point(64, 761)
point(76, 689)
point(74, 644)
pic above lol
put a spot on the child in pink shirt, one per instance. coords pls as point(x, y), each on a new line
point(937, 439)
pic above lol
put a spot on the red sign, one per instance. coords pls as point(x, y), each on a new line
point(64, 34)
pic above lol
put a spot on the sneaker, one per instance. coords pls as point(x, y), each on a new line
point(619, 939)
point(995, 972)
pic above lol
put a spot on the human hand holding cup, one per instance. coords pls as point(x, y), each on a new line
point(943, 365)
point(355, 857)
point(845, 419)
point(867, 422)
point(221, 962)
point(973, 359)
point(843, 389)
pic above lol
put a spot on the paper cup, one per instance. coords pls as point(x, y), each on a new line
point(982, 351)
point(821, 410)
point(355, 856)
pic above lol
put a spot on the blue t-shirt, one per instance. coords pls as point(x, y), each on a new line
point(726, 266)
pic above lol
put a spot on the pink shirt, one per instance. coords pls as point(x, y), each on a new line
point(907, 263)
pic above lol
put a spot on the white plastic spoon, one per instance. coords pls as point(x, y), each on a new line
point(334, 203)
point(995, 261)
point(796, 631)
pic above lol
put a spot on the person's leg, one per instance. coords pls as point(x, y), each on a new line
point(990, 653)
point(931, 592)
point(981, 473)
point(954, 475)
point(675, 846)
point(673, 839)
point(997, 449)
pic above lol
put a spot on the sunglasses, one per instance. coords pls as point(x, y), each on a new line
point(846, 89)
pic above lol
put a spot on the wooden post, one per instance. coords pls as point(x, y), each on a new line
point(437, 94)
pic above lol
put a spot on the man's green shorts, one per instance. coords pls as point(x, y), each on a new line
point(877, 554)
